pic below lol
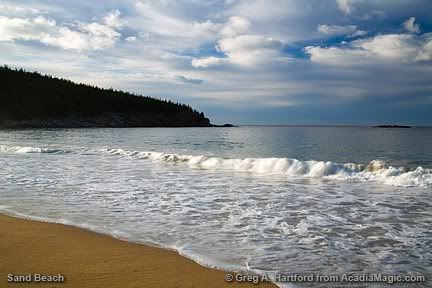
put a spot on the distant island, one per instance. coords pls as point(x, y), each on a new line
point(224, 125)
point(32, 100)
point(391, 126)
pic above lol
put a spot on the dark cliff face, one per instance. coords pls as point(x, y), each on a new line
point(33, 100)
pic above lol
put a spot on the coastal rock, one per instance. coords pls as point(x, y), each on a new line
point(111, 119)
point(390, 126)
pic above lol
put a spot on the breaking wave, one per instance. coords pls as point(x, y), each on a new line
point(376, 170)
point(27, 149)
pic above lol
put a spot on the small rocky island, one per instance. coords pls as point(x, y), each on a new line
point(32, 100)
point(390, 126)
point(224, 125)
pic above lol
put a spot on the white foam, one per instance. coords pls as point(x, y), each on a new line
point(28, 149)
point(376, 170)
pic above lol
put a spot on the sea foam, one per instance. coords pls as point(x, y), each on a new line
point(28, 149)
point(376, 170)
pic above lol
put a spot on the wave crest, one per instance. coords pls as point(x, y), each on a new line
point(376, 170)
point(28, 149)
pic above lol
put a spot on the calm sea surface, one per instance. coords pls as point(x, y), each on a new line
point(323, 200)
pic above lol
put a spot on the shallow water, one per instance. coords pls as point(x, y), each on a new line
point(324, 200)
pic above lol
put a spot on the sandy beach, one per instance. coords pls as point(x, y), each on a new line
point(88, 259)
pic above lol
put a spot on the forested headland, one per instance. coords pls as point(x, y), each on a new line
point(30, 99)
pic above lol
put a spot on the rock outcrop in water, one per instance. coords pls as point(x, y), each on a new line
point(32, 100)
point(391, 126)
point(224, 125)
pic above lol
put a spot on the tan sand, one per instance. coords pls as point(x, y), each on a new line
point(88, 259)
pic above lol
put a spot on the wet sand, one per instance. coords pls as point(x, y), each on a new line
point(88, 259)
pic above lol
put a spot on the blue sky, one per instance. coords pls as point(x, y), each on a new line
point(354, 62)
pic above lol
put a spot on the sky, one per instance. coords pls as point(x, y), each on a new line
point(266, 62)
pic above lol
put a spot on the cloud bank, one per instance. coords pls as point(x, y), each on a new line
point(82, 36)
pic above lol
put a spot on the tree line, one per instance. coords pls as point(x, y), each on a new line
point(27, 95)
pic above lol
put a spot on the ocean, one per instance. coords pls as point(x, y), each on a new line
point(263, 199)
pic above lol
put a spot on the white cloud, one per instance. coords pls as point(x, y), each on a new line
point(346, 6)
point(248, 42)
point(245, 50)
point(170, 28)
point(249, 49)
point(336, 30)
point(24, 29)
point(240, 47)
point(100, 30)
point(91, 36)
point(17, 10)
point(335, 55)
point(236, 26)
point(205, 27)
point(112, 19)
point(67, 39)
point(392, 48)
point(359, 33)
point(131, 39)
point(425, 53)
point(411, 26)
point(208, 61)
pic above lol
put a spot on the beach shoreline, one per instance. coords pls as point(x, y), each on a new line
point(90, 259)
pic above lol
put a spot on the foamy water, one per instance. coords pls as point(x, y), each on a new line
point(214, 196)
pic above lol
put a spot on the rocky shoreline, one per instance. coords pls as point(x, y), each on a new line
point(111, 119)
